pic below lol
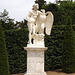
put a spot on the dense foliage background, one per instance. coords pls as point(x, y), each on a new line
point(4, 66)
point(68, 53)
point(17, 39)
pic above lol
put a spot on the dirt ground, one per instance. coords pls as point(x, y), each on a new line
point(56, 72)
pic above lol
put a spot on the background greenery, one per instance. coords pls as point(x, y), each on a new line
point(4, 66)
point(68, 53)
point(17, 39)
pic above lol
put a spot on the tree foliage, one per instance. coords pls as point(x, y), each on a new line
point(15, 41)
point(7, 22)
point(61, 11)
point(4, 66)
point(68, 57)
point(20, 25)
point(41, 3)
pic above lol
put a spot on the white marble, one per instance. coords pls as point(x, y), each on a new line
point(35, 60)
point(37, 22)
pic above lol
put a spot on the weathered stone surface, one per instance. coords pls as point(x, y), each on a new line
point(35, 61)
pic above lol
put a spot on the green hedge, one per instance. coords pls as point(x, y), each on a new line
point(54, 42)
point(68, 54)
point(17, 39)
point(4, 66)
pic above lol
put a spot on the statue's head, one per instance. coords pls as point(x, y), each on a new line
point(35, 6)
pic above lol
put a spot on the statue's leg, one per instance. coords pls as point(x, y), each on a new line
point(33, 29)
point(30, 32)
point(33, 32)
point(30, 38)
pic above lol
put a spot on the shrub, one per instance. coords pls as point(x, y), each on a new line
point(4, 66)
point(54, 42)
point(15, 41)
point(68, 57)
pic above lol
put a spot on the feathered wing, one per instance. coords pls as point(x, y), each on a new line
point(49, 23)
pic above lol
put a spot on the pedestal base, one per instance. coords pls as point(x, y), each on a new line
point(36, 45)
point(35, 60)
point(35, 74)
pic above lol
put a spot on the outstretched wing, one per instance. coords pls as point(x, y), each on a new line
point(49, 23)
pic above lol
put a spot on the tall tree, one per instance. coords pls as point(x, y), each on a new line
point(4, 66)
point(21, 25)
point(7, 23)
point(68, 57)
point(41, 3)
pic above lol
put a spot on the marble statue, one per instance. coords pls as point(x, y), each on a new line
point(38, 21)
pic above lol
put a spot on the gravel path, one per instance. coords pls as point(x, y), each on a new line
point(56, 72)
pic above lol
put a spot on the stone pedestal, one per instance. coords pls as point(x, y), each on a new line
point(35, 60)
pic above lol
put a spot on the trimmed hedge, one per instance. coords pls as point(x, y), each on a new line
point(17, 39)
point(54, 42)
point(4, 66)
point(68, 57)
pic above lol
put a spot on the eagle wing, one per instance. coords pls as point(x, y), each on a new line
point(49, 23)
